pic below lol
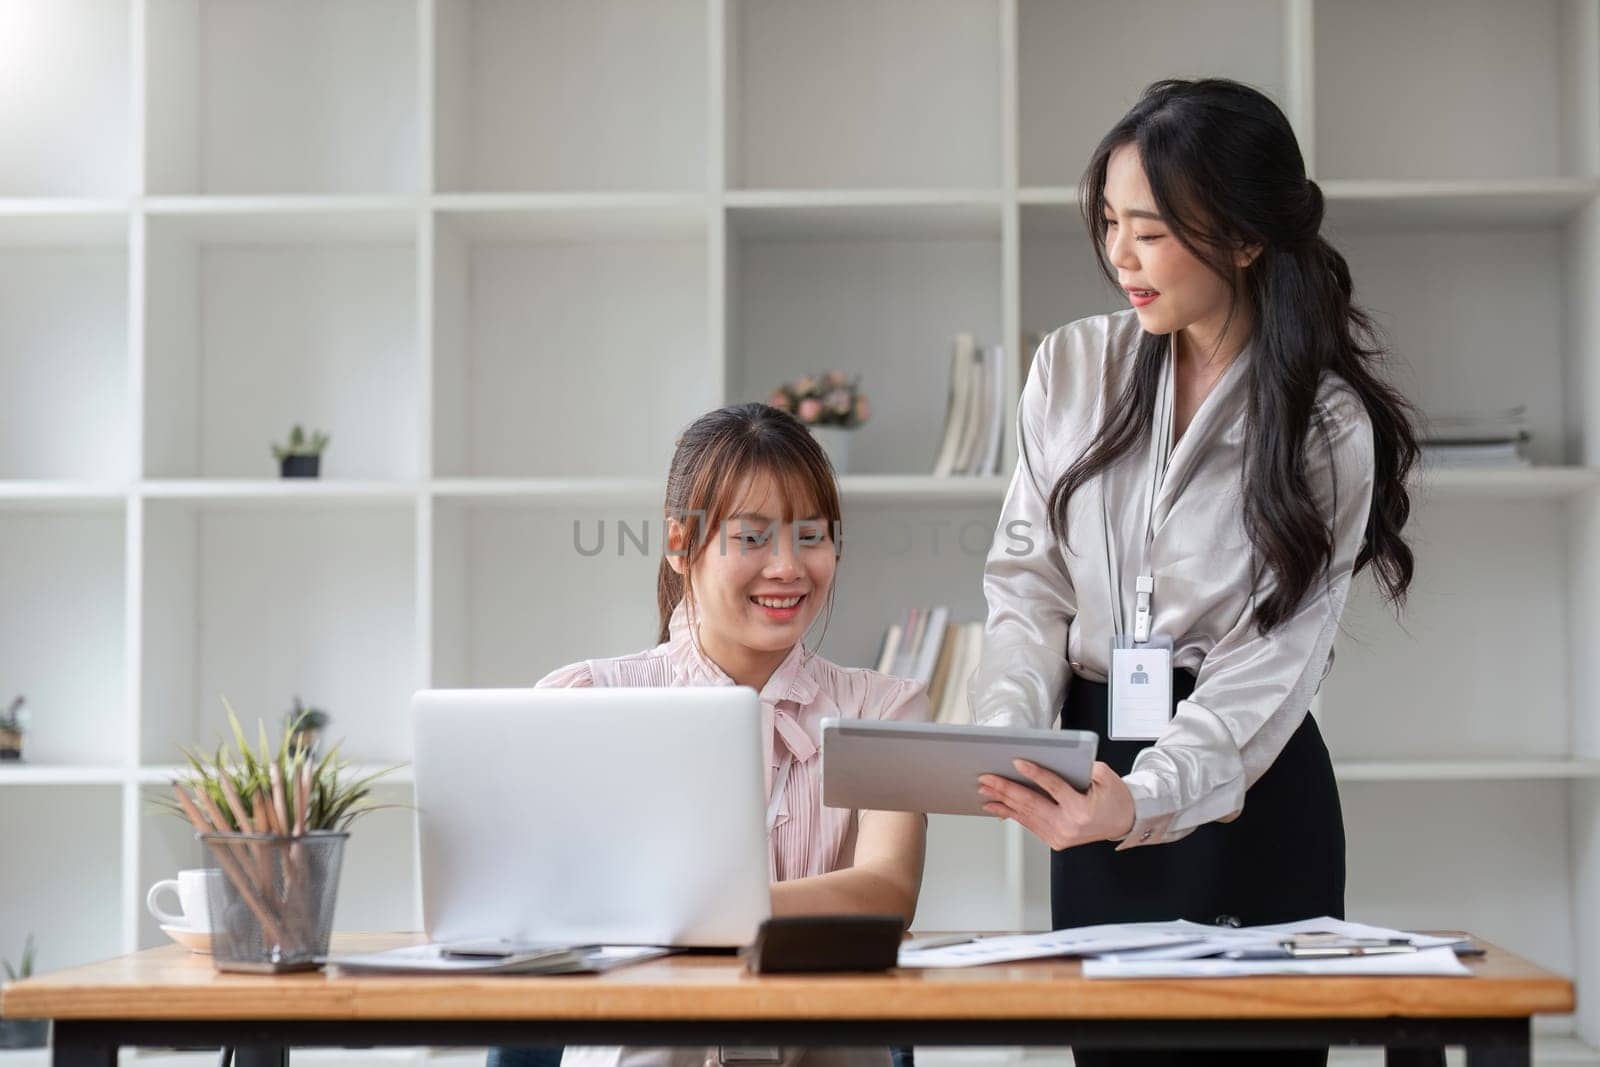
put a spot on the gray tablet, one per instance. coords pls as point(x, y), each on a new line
point(913, 766)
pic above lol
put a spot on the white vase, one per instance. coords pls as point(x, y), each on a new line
point(835, 441)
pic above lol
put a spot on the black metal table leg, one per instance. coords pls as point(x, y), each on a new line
point(261, 1056)
point(1513, 1047)
point(1413, 1057)
point(74, 1046)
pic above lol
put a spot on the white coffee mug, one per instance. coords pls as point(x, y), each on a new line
point(190, 887)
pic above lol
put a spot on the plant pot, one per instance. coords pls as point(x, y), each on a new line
point(835, 441)
point(10, 745)
point(24, 1033)
point(300, 466)
point(272, 909)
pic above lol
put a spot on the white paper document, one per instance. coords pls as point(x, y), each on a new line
point(1428, 961)
point(1155, 949)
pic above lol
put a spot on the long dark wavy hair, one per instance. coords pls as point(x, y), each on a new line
point(1226, 173)
point(714, 457)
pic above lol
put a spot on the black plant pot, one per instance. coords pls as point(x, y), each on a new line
point(24, 1033)
point(301, 466)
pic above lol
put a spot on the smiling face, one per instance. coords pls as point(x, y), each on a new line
point(762, 578)
point(1169, 287)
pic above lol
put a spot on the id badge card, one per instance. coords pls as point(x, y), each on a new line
point(1141, 688)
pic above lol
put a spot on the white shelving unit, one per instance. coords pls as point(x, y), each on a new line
point(504, 251)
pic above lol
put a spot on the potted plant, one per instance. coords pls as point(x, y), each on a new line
point(305, 726)
point(275, 821)
point(23, 1033)
point(302, 456)
point(830, 405)
point(13, 724)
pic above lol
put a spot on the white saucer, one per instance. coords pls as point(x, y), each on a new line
point(191, 939)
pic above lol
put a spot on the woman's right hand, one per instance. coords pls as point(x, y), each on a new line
point(1062, 817)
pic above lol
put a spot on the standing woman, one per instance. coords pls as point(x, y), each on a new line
point(1198, 479)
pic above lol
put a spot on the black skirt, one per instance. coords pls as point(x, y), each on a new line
point(1281, 859)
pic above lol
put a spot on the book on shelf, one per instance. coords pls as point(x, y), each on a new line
point(975, 415)
point(939, 653)
point(1476, 439)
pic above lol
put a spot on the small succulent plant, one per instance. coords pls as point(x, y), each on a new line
point(301, 444)
point(14, 719)
point(24, 968)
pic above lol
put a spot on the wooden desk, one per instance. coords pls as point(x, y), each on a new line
point(168, 997)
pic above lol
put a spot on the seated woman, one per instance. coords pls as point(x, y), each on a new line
point(752, 519)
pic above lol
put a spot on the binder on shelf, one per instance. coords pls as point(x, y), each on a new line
point(953, 707)
point(977, 405)
point(891, 647)
point(995, 411)
point(941, 666)
point(928, 648)
point(1476, 439)
point(910, 635)
point(956, 412)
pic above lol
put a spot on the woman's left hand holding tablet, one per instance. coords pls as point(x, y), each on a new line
point(1061, 817)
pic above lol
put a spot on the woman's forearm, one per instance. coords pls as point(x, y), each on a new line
point(854, 890)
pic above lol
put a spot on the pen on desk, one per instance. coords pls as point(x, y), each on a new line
point(1338, 951)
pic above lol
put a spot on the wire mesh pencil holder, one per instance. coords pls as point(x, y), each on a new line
point(272, 911)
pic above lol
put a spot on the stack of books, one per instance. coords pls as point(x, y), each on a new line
point(1476, 439)
point(941, 654)
point(975, 418)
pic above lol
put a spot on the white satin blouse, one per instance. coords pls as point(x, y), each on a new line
point(1052, 610)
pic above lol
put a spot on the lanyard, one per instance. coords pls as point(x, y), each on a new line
point(1160, 455)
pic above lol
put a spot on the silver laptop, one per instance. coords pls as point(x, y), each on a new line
point(619, 816)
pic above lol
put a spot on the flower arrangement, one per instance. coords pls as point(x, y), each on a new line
point(830, 399)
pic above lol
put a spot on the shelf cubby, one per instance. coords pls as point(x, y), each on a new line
point(507, 576)
point(66, 125)
point(1438, 685)
point(620, 86)
point(223, 117)
point(877, 293)
point(1440, 297)
point(1081, 66)
point(844, 94)
point(527, 304)
point(261, 319)
point(66, 887)
point(259, 605)
point(1489, 77)
point(64, 345)
point(62, 633)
